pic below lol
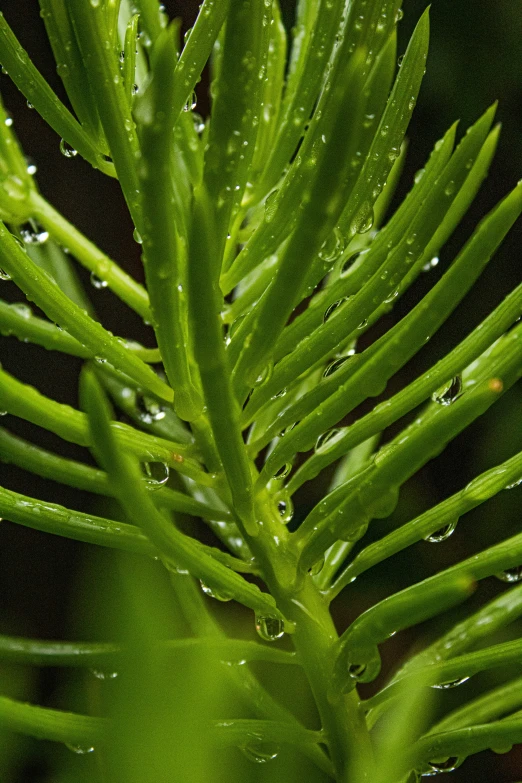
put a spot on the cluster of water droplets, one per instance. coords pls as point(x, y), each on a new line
point(511, 575)
point(148, 409)
point(33, 234)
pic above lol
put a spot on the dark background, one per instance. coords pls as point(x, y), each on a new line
point(475, 58)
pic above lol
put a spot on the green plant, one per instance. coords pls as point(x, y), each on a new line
point(279, 199)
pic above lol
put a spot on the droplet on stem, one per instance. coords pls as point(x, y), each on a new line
point(448, 393)
point(269, 627)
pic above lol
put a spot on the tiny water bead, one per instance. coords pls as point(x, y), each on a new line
point(270, 205)
point(283, 471)
point(335, 365)
point(4, 275)
point(442, 533)
point(438, 767)
point(332, 248)
point(356, 670)
point(448, 393)
point(67, 150)
point(511, 575)
point(286, 510)
point(102, 674)
point(191, 102)
point(80, 750)
point(516, 483)
point(137, 236)
point(260, 752)
point(97, 282)
point(333, 307)
point(445, 686)
point(31, 167)
point(269, 628)
point(32, 234)
point(212, 592)
point(431, 264)
point(264, 375)
point(156, 474)
point(148, 409)
point(326, 439)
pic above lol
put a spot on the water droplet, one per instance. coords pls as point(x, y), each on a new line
point(516, 483)
point(332, 248)
point(438, 767)
point(442, 534)
point(392, 296)
point(191, 102)
point(260, 752)
point(156, 474)
point(350, 261)
point(66, 149)
point(400, 60)
point(286, 510)
point(212, 592)
point(269, 628)
point(363, 221)
point(8, 121)
point(122, 56)
point(81, 750)
point(32, 234)
point(431, 264)
point(31, 168)
point(333, 307)
point(356, 670)
point(97, 282)
point(316, 569)
point(137, 236)
point(325, 439)
point(363, 324)
point(4, 275)
point(22, 309)
point(334, 366)
point(283, 471)
point(399, 15)
point(264, 375)
point(444, 686)
point(148, 409)
point(29, 105)
point(102, 674)
point(450, 188)
point(511, 574)
point(448, 393)
point(271, 205)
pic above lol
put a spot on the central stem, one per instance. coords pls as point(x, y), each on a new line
point(344, 724)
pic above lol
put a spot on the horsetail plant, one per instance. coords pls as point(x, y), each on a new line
point(268, 253)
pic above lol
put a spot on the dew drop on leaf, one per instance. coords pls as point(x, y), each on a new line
point(66, 149)
point(333, 307)
point(191, 103)
point(448, 393)
point(356, 670)
point(516, 483)
point(438, 767)
point(97, 282)
point(325, 439)
point(431, 264)
point(269, 628)
point(260, 752)
point(148, 409)
point(156, 474)
point(336, 365)
point(286, 510)
point(102, 674)
point(212, 592)
point(80, 750)
point(270, 205)
point(137, 236)
point(511, 574)
point(32, 234)
point(283, 471)
point(444, 686)
point(4, 275)
point(442, 534)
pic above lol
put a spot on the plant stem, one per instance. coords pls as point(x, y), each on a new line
point(343, 723)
